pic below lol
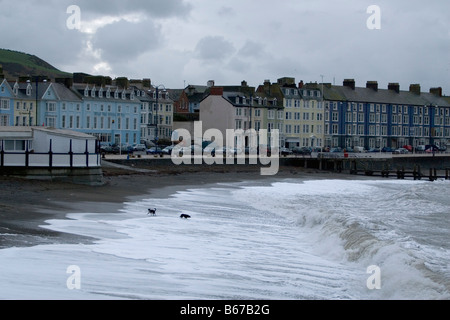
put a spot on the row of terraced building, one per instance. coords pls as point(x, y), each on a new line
point(305, 114)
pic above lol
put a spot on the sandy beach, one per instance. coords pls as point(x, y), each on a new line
point(25, 205)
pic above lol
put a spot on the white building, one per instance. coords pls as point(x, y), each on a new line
point(46, 153)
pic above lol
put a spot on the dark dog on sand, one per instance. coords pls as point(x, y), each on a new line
point(185, 216)
point(152, 212)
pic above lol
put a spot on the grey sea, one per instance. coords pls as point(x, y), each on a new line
point(293, 239)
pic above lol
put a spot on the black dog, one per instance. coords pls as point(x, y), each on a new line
point(152, 212)
point(185, 216)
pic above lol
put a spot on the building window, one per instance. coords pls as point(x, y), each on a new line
point(280, 115)
point(4, 104)
point(51, 122)
point(51, 106)
point(14, 145)
point(4, 120)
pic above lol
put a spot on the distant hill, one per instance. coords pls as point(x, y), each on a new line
point(18, 64)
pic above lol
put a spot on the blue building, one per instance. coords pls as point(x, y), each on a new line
point(6, 104)
point(110, 113)
point(375, 118)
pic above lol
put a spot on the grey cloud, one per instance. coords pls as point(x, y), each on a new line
point(226, 11)
point(123, 41)
point(39, 30)
point(152, 8)
point(251, 49)
point(214, 48)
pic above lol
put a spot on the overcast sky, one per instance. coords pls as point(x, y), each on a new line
point(176, 42)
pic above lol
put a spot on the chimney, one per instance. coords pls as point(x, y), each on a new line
point(244, 84)
point(372, 85)
point(415, 88)
point(300, 85)
point(216, 91)
point(436, 91)
point(146, 83)
point(210, 83)
point(67, 82)
point(349, 83)
point(394, 87)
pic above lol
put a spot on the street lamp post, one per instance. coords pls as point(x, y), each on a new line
point(431, 117)
point(157, 88)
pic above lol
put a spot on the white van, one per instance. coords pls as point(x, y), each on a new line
point(359, 149)
point(420, 148)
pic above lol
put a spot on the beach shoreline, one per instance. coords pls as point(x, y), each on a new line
point(26, 205)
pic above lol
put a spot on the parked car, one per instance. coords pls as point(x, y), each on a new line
point(209, 150)
point(401, 151)
point(408, 147)
point(139, 147)
point(336, 149)
point(167, 150)
point(387, 149)
point(126, 148)
point(359, 149)
point(374, 150)
point(250, 150)
point(420, 148)
point(431, 148)
point(286, 152)
point(265, 149)
point(114, 149)
point(154, 150)
point(349, 150)
point(301, 151)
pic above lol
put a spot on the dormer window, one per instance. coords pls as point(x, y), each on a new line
point(116, 94)
point(132, 95)
point(100, 93)
point(93, 92)
point(108, 93)
point(16, 89)
point(123, 95)
point(29, 89)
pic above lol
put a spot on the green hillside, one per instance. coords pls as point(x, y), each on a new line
point(16, 64)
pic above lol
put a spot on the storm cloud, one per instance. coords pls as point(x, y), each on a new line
point(190, 42)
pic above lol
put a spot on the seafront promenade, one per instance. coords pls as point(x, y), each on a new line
point(417, 166)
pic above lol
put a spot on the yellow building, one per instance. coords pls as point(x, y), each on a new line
point(25, 110)
point(303, 115)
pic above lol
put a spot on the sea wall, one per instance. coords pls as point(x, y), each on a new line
point(86, 176)
point(439, 162)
